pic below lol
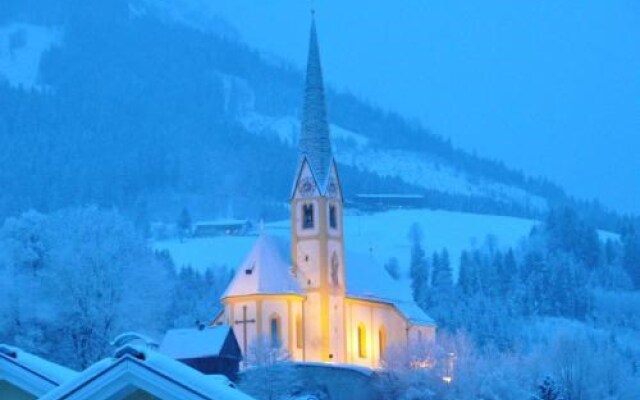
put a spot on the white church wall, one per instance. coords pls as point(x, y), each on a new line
point(337, 347)
point(307, 260)
point(373, 317)
point(312, 327)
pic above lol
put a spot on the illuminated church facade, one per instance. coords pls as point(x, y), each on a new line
point(306, 297)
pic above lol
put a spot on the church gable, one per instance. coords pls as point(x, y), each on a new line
point(305, 185)
point(334, 187)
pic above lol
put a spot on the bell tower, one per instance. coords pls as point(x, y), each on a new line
point(317, 223)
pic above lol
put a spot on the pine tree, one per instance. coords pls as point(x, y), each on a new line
point(418, 270)
point(441, 295)
point(467, 276)
point(631, 253)
point(184, 223)
point(548, 390)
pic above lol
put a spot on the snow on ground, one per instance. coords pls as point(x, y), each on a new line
point(208, 252)
point(380, 235)
point(21, 48)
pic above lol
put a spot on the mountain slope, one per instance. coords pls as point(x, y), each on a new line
point(150, 113)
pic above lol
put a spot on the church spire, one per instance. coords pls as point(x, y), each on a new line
point(314, 139)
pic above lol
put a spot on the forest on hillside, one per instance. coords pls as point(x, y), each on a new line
point(139, 113)
point(556, 313)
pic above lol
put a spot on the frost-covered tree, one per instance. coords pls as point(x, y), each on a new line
point(86, 276)
point(419, 268)
point(196, 295)
point(631, 252)
point(441, 295)
point(548, 390)
point(269, 376)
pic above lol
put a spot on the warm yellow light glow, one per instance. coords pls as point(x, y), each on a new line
point(421, 364)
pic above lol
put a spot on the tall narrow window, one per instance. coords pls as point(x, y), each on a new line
point(362, 341)
point(382, 341)
point(299, 331)
point(419, 336)
point(333, 217)
point(307, 216)
point(274, 330)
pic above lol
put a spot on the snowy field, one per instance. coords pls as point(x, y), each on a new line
point(380, 236)
point(21, 48)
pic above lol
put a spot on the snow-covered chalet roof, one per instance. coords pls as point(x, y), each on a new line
point(188, 343)
point(136, 368)
point(30, 373)
point(264, 270)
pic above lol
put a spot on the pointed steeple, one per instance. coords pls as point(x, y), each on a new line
point(314, 142)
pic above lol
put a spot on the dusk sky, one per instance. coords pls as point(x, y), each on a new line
point(551, 87)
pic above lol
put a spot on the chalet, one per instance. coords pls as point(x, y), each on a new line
point(24, 376)
point(210, 349)
point(140, 373)
point(230, 227)
point(386, 201)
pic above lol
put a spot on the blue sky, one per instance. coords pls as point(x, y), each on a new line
point(551, 87)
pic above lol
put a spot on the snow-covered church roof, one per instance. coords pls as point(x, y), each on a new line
point(368, 280)
point(30, 373)
point(264, 270)
point(136, 369)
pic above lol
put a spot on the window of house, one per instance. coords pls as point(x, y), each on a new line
point(307, 216)
point(274, 330)
point(333, 217)
point(299, 331)
point(382, 341)
point(362, 341)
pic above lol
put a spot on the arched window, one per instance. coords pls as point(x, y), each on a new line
point(382, 341)
point(299, 331)
point(333, 217)
point(362, 341)
point(307, 216)
point(274, 331)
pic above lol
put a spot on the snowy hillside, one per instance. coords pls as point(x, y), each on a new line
point(21, 47)
point(382, 235)
point(413, 167)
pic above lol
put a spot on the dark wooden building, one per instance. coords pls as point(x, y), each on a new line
point(212, 350)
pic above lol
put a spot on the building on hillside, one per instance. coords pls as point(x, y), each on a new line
point(322, 305)
point(209, 349)
point(232, 227)
point(140, 373)
point(24, 376)
point(387, 201)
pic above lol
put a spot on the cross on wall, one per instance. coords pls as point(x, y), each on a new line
point(244, 321)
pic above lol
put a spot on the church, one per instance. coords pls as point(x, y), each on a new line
point(311, 297)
